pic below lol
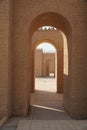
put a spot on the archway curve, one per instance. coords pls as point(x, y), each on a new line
point(37, 43)
point(51, 19)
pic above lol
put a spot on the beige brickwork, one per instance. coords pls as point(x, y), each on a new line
point(54, 37)
point(69, 16)
point(49, 64)
point(39, 63)
point(5, 58)
point(44, 63)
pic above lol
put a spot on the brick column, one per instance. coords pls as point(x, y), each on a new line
point(5, 58)
point(60, 72)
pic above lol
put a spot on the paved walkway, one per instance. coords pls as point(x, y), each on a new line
point(47, 106)
point(52, 125)
point(47, 113)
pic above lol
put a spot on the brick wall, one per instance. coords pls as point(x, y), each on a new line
point(75, 13)
point(24, 12)
point(38, 63)
point(5, 58)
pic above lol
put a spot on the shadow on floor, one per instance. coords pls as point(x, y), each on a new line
point(47, 106)
point(38, 113)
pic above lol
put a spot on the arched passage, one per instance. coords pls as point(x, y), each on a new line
point(61, 23)
point(59, 64)
point(45, 63)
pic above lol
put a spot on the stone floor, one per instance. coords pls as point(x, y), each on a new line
point(52, 125)
point(47, 106)
point(47, 112)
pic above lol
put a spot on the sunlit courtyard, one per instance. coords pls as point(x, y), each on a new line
point(46, 84)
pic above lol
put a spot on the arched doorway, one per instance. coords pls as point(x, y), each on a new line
point(45, 66)
point(25, 80)
point(59, 56)
point(62, 24)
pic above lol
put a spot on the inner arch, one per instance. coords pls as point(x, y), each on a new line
point(45, 67)
point(46, 47)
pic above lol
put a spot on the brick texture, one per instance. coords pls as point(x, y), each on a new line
point(70, 16)
point(5, 59)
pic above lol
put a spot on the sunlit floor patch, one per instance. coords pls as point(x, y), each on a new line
point(46, 84)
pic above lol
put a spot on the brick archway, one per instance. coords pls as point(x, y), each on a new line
point(58, 21)
point(27, 70)
point(17, 30)
point(59, 64)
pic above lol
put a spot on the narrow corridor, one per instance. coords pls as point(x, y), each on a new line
point(47, 106)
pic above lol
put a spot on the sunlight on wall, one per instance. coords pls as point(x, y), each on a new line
point(65, 55)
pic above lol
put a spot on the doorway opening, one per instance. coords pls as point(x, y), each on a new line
point(47, 93)
point(45, 67)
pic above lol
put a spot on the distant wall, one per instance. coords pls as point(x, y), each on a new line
point(41, 62)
